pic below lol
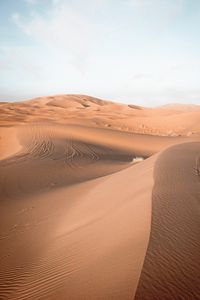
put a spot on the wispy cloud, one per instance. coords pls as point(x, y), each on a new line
point(131, 49)
point(31, 1)
point(63, 29)
point(160, 12)
point(140, 76)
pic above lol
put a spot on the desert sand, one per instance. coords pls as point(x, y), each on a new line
point(99, 200)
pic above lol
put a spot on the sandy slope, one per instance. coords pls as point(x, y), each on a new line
point(9, 143)
point(79, 216)
point(171, 269)
point(85, 241)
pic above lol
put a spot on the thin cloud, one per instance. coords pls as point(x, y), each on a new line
point(140, 76)
point(118, 49)
point(62, 29)
point(164, 11)
point(31, 1)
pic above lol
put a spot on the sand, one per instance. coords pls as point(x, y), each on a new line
point(99, 200)
point(172, 257)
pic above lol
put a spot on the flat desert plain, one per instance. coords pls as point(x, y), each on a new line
point(99, 200)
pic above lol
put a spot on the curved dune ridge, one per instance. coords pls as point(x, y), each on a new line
point(171, 269)
point(99, 200)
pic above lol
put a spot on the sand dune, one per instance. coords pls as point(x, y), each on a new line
point(99, 200)
point(173, 120)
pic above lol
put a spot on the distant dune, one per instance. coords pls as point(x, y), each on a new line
point(88, 111)
point(99, 200)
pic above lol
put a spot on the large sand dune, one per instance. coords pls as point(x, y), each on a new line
point(99, 200)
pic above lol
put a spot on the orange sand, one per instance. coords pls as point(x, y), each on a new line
point(83, 216)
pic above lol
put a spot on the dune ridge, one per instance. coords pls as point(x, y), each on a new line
point(170, 269)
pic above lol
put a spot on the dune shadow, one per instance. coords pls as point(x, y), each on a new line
point(171, 269)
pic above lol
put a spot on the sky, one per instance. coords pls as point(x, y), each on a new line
point(145, 52)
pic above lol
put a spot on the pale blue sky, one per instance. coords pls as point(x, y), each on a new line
point(134, 51)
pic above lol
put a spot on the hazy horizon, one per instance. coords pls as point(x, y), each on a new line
point(134, 51)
